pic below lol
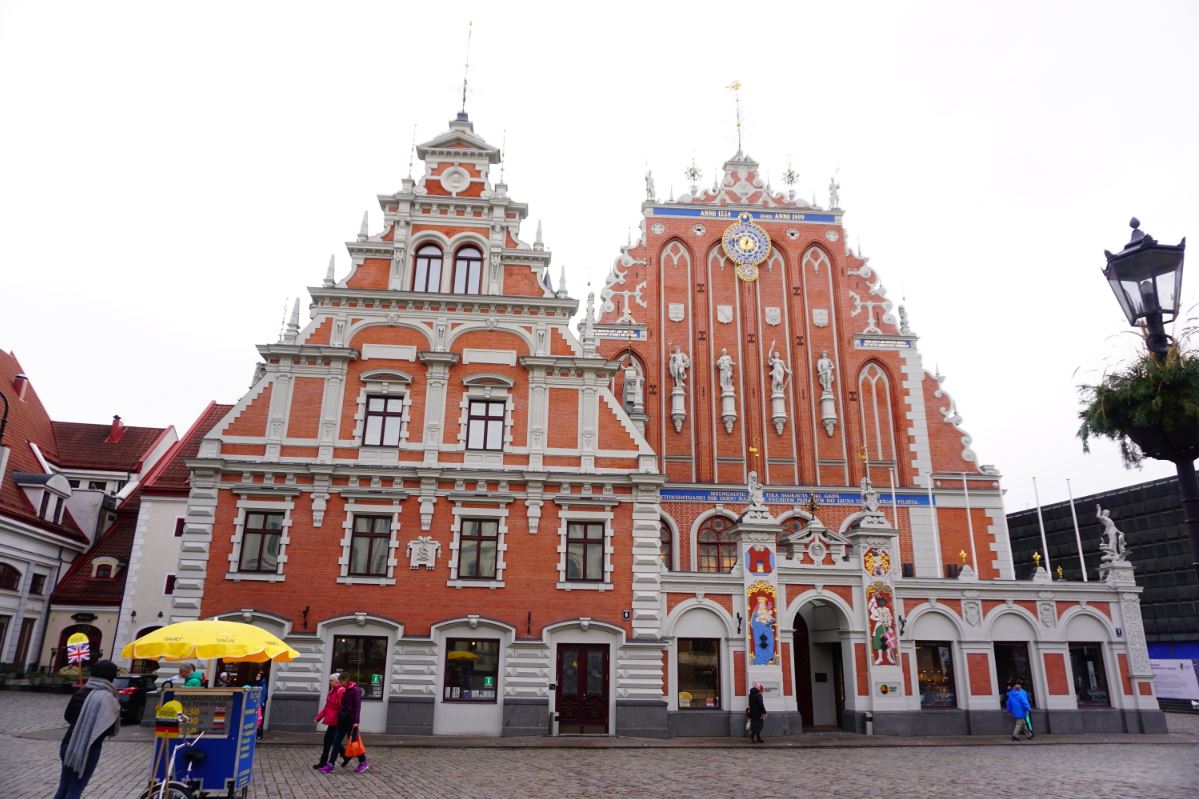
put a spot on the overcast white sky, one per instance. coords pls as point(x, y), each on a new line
point(171, 173)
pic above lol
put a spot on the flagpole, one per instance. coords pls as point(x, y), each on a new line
point(894, 505)
point(1077, 537)
point(970, 526)
point(932, 508)
point(1041, 521)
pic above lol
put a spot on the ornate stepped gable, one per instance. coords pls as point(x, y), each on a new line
point(797, 364)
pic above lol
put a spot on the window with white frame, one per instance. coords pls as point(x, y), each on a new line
point(478, 548)
point(485, 425)
point(258, 548)
point(370, 546)
point(468, 270)
point(585, 552)
point(426, 272)
point(384, 420)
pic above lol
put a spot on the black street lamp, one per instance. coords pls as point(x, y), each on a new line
point(1146, 278)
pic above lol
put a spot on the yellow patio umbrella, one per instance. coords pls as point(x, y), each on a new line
point(206, 640)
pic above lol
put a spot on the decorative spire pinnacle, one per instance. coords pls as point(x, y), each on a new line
point(330, 277)
point(561, 293)
point(364, 229)
point(293, 327)
point(693, 173)
point(736, 87)
point(587, 328)
point(504, 155)
point(470, 26)
point(283, 322)
point(790, 177)
point(538, 243)
point(412, 152)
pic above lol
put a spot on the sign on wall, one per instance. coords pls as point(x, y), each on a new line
point(1175, 679)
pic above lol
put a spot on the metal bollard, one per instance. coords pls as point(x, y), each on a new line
point(869, 723)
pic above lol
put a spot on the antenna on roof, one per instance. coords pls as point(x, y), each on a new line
point(736, 87)
point(466, 71)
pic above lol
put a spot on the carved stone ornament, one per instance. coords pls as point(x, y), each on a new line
point(423, 551)
point(724, 314)
point(774, 316)
point(820, 317)
point(676, 312)
point(1047, 613)
point(972, 612)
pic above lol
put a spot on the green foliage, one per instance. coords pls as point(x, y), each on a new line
point(1148, 393)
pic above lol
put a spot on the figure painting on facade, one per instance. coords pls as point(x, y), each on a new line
point(877, 562)
point(883, 641)
point(763, 642)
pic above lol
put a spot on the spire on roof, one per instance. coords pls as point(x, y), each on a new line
point(538, 244)
point(293, 326)
point(364, 229)
point(561, 293)
point(330, 278)
point(587, 328)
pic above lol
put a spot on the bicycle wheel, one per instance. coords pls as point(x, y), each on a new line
point(174, 790)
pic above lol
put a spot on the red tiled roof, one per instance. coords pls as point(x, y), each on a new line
point(83, 446)
point(171, 475)
point(28, 423)
point(78, 587)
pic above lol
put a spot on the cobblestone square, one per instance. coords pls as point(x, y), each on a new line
point(1156, 767)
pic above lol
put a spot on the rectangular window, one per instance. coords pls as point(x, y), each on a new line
point(472, 669)
point(364, 659)
point(485, 425)
point(168, 586)
point(1090, 680)
point(43, 511)
point(73, 483)
point(585, 551)
point(1012, 664)
point(384, 416)
point(179, 527)
point(934, 666)
point(37, 584)
point(260, 542)
point(370, 546)
point(699, 674)
point(477, 546)
point(97, 485)
point(21, 658)
point(57, 510)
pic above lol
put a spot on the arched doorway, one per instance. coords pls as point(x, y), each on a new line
point(93, 639)
point(820, 638)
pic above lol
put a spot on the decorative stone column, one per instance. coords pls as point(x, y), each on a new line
point(678, 407)
point(1141, 710)
point(778, 410)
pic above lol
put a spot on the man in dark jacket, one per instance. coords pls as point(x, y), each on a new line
point(757, 713)
point(94, 713)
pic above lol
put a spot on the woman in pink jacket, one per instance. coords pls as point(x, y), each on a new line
point(328, 717)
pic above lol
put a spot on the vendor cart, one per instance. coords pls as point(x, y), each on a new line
point(204, 743)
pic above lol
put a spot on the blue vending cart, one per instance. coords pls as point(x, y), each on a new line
point(204, 746)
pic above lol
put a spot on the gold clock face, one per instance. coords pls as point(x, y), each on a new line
point(746, 245)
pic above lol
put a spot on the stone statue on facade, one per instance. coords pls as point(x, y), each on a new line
point(869, 496)
point(724, 365)
point(757, 493)
point(650, 194)
point(1113, 546)
point(824, 369)
point(834, 193)
point(633, 398)
point(679, 364)
point(778, 372)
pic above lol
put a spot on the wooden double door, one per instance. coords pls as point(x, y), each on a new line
point(582, 693)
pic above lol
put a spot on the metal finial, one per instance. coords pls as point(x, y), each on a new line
point(1134, 223)
point(470, 25)
point(503, 156)
point(412, 151)
point(736, 87)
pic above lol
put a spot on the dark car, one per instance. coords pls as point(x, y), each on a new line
point(132, 690)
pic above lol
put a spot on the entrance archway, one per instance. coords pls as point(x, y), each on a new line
point(820, 652)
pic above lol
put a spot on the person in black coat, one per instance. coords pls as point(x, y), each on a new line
point(94, 713)
point(757, 713)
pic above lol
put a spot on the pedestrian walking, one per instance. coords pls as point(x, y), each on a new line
point(260, 682)
point(191, 677)
point(348, 716)
point(1019, 706)
point(757, 713)
point(93, 713)
point(329, 716)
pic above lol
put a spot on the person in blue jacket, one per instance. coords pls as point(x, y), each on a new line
point(1019, 706)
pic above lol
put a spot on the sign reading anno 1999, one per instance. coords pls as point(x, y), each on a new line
point(741, 497)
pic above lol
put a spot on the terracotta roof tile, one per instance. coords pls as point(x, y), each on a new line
point(82, 445)
point(78, 587)
point(171, 475)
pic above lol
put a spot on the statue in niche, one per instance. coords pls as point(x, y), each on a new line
point(679, 364)
point(632, 388)
point(724, 365)
point(1113, 546)
point(778, 372)
point(824, 369)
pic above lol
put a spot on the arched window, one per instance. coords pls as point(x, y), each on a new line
point(10, 578)
point(666, 546)
point(717, 551)
point(468, 271)
point(427, 273)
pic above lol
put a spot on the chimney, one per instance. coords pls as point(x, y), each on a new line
point(117, 432)
point(20, 384)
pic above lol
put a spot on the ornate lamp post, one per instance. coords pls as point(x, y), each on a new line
point(1146, 278)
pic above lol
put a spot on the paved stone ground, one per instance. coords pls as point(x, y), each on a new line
point(1161, 767)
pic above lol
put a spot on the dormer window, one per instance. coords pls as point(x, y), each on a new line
point(426, 275)
point(104, 571)
point(468, 271)
point(105, 568)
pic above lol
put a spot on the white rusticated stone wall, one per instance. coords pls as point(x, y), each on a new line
point(1001, 544)
point(414, 668)
point(305, 674)
point(639, 670)
point(924, 539)
point(527, 670)
point(194, 546)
